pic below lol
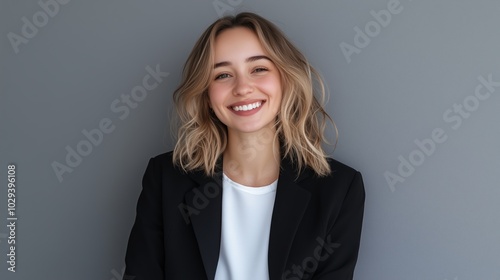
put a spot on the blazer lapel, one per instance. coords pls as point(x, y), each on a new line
point(289, 207)
point(207, 200)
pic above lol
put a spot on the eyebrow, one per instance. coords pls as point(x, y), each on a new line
point(250, 59)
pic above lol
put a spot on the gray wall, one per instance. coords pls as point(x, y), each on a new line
point(415, 98)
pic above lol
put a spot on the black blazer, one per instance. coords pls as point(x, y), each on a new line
point(315, 226)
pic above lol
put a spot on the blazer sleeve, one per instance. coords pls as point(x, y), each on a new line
point(144, 258)
point(342, 241)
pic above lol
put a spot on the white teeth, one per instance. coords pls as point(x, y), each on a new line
point(247, 107)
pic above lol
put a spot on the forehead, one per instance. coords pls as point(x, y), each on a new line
point(237, 42)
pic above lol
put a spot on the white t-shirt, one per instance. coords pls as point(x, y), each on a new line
point(246, 224)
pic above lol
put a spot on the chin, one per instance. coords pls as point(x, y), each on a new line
point(251, 128)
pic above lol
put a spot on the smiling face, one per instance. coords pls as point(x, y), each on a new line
point(245, 90)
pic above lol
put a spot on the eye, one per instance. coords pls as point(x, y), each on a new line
point(260, 69)
point(222, 76)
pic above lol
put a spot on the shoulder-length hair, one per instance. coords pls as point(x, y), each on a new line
point(301, 121)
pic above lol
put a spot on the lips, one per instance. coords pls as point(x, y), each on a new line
point(246, 105)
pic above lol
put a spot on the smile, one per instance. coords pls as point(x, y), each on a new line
point(247, 107)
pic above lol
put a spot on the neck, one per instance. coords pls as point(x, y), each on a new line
point(252, 159)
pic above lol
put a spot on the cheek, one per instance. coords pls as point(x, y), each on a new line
point(271, 84)
point(215, 96)
point(274, 89)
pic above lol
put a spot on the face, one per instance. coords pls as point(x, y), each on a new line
point(245, 90)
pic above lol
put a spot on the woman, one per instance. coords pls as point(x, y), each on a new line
point(248, 192)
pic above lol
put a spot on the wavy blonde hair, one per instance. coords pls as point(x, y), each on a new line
point(301, 121)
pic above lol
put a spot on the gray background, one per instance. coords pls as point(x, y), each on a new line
point(441, 222)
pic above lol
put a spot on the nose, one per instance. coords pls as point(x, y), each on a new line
point(242, 85)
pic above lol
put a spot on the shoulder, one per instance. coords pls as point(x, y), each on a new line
point(341, 171)
point(164, 177)
point(337, 165)
point(164, 158)
point(163, 164)
point(338, 172)
point(341, 180)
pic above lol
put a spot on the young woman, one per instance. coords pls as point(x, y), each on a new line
point(248, 192)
